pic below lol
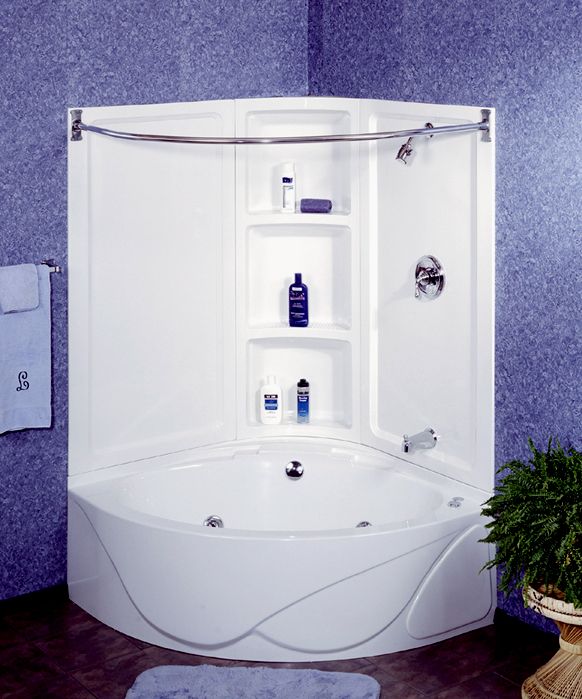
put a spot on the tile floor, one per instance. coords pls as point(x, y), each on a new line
point(50, 648)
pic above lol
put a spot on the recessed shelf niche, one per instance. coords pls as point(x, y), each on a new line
point(326, 364)
point(322, 170)
point(321, 253)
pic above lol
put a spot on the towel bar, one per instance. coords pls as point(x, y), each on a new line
point(54, 267)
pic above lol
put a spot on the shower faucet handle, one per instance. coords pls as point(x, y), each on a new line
point(429, 278)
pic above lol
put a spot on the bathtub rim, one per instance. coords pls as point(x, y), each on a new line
point(94, 489)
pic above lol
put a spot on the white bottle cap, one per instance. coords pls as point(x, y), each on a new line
point(271, 380)
point(288, 170)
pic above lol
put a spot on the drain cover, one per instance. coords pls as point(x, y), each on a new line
point(294, 470)
point(364, 523)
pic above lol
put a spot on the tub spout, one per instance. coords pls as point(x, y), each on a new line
point(426, 439)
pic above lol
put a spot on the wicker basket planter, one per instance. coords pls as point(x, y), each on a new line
point(561, 676)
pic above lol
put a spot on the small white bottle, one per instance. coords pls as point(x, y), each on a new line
point(271, 407)
point(288, 188)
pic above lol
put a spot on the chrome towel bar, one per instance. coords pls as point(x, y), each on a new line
point(52, 265)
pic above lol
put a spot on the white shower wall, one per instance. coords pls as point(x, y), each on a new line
point(180, 260)
point(430, 363)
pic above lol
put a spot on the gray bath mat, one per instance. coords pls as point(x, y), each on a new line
point(210, 682)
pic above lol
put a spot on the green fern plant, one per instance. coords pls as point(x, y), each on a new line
point(536, 523)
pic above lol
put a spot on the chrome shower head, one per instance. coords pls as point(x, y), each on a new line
point(405, 151)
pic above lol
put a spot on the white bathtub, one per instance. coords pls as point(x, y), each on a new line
point(290, 577)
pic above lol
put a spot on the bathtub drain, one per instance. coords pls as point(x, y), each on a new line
point(364, 523)
point(213, 521)
point(294, 470)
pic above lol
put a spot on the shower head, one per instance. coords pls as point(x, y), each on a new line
point(405, 151)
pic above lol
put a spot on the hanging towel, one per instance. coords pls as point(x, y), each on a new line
point(25, 361)
point(18, 288)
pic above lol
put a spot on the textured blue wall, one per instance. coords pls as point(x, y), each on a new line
point(66, 53)
point(525, 59)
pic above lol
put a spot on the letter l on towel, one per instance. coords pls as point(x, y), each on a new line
point(25, 363)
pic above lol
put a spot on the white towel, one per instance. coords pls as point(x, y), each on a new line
point(25, 362)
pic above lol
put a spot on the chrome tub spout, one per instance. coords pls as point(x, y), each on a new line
point(426, 439)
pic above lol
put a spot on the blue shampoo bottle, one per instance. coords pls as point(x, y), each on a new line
point(298, 304)
point(303, 401)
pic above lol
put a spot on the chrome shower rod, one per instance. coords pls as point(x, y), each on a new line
point(78, 126)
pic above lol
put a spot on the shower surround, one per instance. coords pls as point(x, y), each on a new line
point(191, 350)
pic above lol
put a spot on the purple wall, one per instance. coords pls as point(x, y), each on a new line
point(66, 53)
point(525, 59)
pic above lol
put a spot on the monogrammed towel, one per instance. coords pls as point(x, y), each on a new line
point(25, 363)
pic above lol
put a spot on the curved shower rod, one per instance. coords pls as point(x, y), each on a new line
point(78, 126)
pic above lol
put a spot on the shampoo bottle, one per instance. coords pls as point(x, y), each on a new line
point(298, 304)
point(303, 401)
point(288, 189)
point(271, 408)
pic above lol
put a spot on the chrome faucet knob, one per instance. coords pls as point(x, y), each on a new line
point(429, 278)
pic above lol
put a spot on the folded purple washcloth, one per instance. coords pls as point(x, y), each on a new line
point(315, 206)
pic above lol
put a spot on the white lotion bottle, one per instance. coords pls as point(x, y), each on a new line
point(271, 406)
point(288, 188)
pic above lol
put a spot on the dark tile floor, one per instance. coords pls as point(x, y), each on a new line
point(50, 648)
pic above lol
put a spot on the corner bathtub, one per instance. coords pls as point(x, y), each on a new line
point(290, 577)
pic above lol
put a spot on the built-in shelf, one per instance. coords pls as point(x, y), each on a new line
point(277, 218)
point(272, 246)
point(322, 170)
point(325, 363)
point(289, 425)
point(321, 253)
point(312, 331)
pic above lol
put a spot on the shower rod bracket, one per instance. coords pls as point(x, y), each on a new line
point(76, 131)
point(485, 119)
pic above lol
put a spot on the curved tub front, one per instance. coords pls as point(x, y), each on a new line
point(290, 576)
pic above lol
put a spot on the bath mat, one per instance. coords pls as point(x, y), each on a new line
point(210, 682)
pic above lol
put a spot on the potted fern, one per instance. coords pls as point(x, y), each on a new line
point(536, 525)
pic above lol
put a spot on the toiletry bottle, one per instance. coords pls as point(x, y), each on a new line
point(271, 408)
point(298, 304)
point(288, 188)
point(303, 401)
